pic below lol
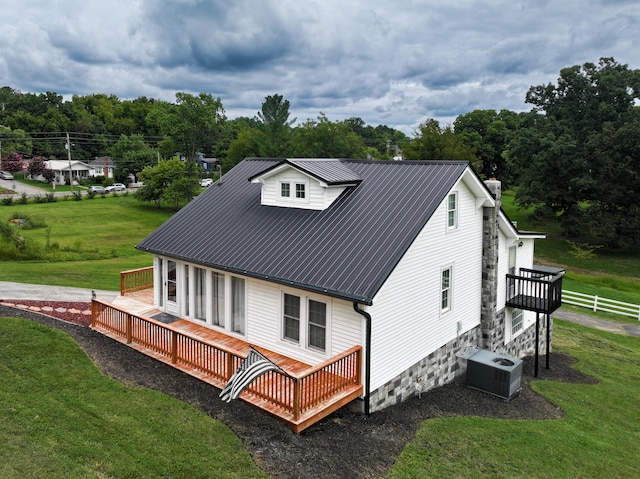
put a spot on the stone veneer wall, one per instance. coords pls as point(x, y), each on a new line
point(439, 368)
point(522, 345)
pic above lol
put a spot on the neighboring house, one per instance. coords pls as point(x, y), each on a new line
point(210, 165)
point(102, 166)
point(61, 168)
point(309, 257)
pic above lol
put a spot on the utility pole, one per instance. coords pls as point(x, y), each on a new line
point(68, 147)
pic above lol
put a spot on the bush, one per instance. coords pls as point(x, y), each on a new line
point(7, 200)
point(23, 200)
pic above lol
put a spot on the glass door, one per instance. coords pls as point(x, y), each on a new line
point(171, 288)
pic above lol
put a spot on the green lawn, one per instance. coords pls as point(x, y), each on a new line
point(84, 243)
point(61, 418)
point(599, 437)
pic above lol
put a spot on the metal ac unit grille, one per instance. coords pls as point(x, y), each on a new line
point(494, 373)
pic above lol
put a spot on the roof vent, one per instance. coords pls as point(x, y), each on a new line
point(494, 373)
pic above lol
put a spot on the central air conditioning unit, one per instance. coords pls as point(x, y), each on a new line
point(494, 373)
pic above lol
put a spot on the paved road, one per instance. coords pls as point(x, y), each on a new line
point(20, 188)
point(593, 322)
point(13, 291)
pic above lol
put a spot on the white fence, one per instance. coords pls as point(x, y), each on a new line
point(596, 303)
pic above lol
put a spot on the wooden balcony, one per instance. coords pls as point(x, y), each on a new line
point(537, 289)
point(300, 397)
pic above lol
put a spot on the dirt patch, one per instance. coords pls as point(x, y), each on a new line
point(345, 444)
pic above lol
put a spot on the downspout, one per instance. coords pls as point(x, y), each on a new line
point(367, 357)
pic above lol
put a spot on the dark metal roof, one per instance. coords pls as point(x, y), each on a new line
point(347, 250)
point(330, 171)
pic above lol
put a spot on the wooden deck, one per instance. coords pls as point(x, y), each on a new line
point(300, 398)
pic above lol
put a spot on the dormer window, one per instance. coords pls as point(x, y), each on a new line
point(286, 190)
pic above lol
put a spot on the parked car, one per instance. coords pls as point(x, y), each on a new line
point(5, 175)
point(98, 190)
point(116, 187)
point(206, 182)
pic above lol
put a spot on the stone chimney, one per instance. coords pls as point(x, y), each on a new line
point(492, 326)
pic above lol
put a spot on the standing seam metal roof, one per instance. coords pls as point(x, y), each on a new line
point(347, 250)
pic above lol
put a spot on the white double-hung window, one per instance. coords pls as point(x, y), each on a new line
point(446, 281)
point(304, 321)
point(452, 211)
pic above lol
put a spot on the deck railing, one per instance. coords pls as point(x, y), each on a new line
point(534, 291)
point(136, 280)
point(295, 394)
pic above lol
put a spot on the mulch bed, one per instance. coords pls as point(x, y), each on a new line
point(345, 444)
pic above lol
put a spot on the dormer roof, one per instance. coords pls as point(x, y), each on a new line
point(330, 171)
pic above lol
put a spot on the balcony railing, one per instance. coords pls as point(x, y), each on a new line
point(298, 399)
point(136, 280)
point(537, 289)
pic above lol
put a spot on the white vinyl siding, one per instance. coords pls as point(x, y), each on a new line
point(407, 324)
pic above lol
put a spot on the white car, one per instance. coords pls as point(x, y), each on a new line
point(116, 187)
point(206, 182)
point(5, 175)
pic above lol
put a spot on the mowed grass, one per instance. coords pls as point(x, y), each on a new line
point(599, 437)
point(93, 240)
point(61, 418)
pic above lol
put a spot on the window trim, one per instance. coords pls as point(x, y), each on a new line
point(514, 313)
point(448, 289)
point(295, 187)
point(305, 324)
point(452, 213)
point(311, 325)
point(286, 317)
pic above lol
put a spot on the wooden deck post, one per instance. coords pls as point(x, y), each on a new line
point(94, 313)
point(296, 398)
point(129, 328)
point(230, 369)
point(174, 347)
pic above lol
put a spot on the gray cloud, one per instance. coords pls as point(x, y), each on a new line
point(394, 63)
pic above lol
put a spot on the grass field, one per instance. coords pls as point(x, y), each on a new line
point(84, 243)
point(62, 418)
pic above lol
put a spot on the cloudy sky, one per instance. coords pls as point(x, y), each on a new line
point(388, 62)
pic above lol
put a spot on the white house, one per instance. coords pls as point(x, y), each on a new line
point(414, 262)
point(61, 168)
point(102, 166)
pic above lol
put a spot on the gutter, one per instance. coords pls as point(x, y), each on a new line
point(367, 360)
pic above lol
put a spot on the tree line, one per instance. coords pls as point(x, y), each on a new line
point(573, 157)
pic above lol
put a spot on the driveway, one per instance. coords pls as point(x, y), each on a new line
point(20, 188)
